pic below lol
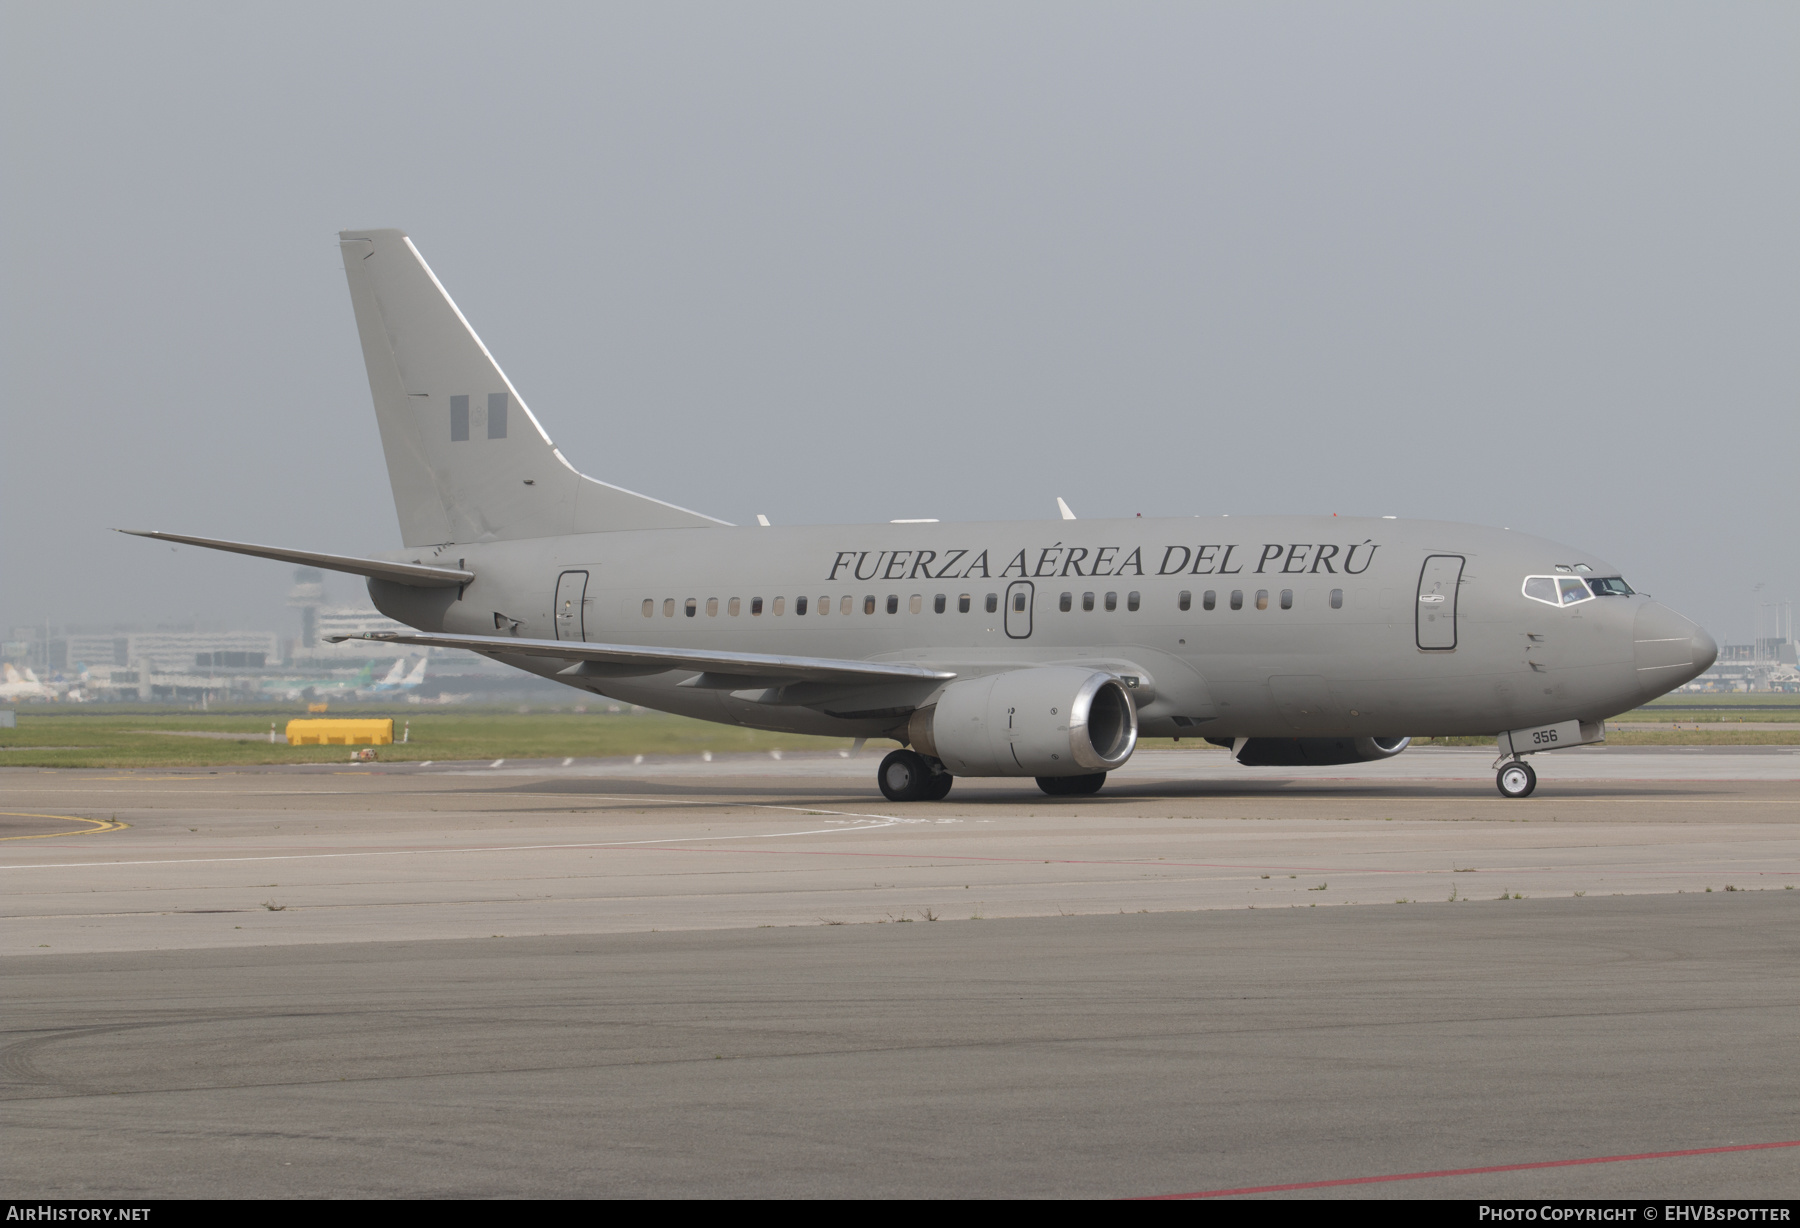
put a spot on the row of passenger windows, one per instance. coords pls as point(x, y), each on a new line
point(778, 607)
point(1209, 600)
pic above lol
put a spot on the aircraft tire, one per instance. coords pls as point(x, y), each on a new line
point(937, 788)
point(1069, 786)
point(1516, 779)
point(904, 777)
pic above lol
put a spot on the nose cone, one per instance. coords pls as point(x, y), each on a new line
point(1706, 651)
point(1668, 650)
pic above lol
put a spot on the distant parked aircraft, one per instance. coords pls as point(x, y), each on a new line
point(400, 678)
point(22, 684)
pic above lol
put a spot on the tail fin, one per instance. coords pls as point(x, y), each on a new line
point(467, 460)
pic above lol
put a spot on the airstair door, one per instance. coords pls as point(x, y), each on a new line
point(1019, 596)
point(571, 596)
point(1436, 609)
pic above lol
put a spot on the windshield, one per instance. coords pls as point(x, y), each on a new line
point(1573, 590)
point(1570, 590)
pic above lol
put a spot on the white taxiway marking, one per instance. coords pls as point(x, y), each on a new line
point(880, 820)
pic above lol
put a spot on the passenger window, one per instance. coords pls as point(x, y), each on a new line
point(731, 607)
point(691, 606)
point(779, 603)
point(993, 602)
point(668, 607)
point(1287, 598)
point(799, 605)
point(1066, 602)
point(1112, 601)
point(962, 603)
point(848, 603)
point(869, 604)
point(937, 604)
point(649, 606)
point(1186, 600)
point(1262, 598)
point(1209, 600)
point(756, 607)
point(1541, 588)
point(1131, 602)
point(1573, 590)
point(1237, 598)
point(894, 603)
point(712, 607)
point(1087, 601)
point(1337, 598)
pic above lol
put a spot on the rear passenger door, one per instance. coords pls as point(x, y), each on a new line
point(571, 597)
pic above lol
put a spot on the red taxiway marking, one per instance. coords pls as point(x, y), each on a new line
point(1469, 1172)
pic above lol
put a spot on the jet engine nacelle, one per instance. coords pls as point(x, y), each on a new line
point(1054, 720)
point(1317, 752)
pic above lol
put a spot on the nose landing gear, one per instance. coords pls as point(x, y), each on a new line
point(907, 776)
point(1516, 779)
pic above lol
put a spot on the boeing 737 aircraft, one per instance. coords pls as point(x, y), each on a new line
point(1020, 649)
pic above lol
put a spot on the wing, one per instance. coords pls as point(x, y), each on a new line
point(417, 575)
point(718, 670)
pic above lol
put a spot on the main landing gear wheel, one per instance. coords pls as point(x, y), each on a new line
point(1516, 779)
point(1065, 786)
point(904, 776)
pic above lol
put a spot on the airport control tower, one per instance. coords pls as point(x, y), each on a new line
point(308, 594)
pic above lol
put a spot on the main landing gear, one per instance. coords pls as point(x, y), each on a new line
point(907, 776)
point(1516, 779)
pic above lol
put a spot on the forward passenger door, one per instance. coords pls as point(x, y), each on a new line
point(1435, 618)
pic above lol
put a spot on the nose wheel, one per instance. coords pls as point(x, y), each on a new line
point(1516, 779)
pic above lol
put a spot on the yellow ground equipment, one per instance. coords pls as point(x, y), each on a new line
point(340, 733)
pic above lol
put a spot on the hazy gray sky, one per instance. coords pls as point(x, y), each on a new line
point(1527, 265)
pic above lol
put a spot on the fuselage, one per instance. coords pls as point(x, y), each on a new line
point(1259, 626)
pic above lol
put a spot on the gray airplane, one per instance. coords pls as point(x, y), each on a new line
point(987, 649)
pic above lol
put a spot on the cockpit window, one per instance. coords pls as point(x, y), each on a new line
point(1573, 590)
point(1611, 586)
point(1566, 590)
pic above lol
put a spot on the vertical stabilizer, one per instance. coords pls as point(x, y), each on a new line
point(467, 460)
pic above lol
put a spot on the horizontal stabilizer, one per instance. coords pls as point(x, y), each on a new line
point(723, 666)
point(417, 575)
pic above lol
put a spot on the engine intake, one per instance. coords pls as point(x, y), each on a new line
point(1317, 752)
point(1050, 721)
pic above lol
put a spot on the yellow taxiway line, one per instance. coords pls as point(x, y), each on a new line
point(99, 825)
